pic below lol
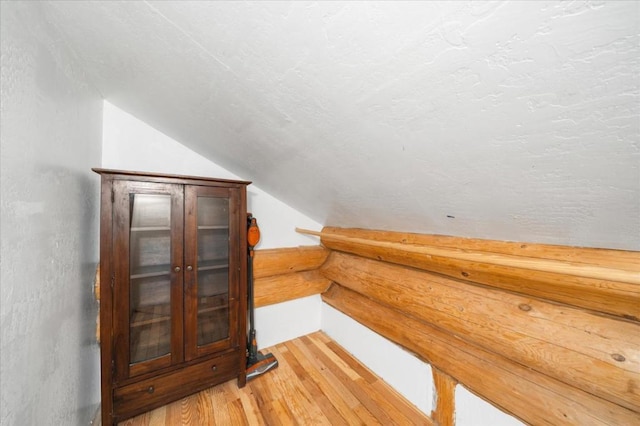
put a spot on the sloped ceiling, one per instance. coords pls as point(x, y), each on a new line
point(504, 120)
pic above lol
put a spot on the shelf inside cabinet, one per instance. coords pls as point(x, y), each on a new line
point(150, 332)
point(151, 271)
point(149, 228)
point(148, 315)
point(207, 265)
point(213, 227)
point(213, 303)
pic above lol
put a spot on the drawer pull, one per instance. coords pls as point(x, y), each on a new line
point(150, 389)
point(214, 368)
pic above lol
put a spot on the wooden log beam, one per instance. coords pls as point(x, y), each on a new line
point(280, 261)
point(597, 354)
point(602, 288)
point(445, 398)
point(533, 397)
point(621, 259)
point(535, 264)
point(281, 288)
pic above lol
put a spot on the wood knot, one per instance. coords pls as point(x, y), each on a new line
point(523, 246)
point(524, 307)
point(464, 274)
point(618, 357)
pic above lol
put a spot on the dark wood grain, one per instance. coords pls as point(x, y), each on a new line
point(150, 378)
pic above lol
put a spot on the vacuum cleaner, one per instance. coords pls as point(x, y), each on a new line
point(257, 363)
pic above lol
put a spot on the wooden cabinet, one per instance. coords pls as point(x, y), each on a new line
point(173, 295)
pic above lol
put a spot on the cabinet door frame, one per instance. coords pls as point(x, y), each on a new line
point(192, 192)
point(122, 189)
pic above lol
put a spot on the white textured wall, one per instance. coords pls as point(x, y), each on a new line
point(474, 411)
point(50, 131)
point(131, 144)
point(509, 120)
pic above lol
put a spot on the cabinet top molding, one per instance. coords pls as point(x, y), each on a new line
point(154, 176)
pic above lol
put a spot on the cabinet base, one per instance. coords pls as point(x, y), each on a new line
point(137, 398)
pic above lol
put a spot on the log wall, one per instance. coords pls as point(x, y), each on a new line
point(601, 280)
point(549, 334)
point(288, 273)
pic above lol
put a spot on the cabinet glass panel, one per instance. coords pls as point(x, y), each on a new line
point(213, 269)
point(150, 277)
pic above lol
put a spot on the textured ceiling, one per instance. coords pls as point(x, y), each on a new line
point(505, 120)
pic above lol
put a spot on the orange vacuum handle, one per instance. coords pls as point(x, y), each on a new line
point(253, 234)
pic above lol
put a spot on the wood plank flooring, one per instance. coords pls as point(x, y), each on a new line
point(317, 383)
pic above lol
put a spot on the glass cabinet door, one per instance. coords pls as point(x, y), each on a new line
point(211, 297)
point(151, 277)
point(213, 269)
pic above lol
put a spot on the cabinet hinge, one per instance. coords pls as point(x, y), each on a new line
point(113, 195)
point(113, 368)
point(113, 280)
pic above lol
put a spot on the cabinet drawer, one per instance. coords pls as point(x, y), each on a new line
point(145, 395)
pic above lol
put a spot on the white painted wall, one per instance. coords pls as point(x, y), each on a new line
point(474, 411)
point(131, 144)
point(50, 130)
point(288, 320)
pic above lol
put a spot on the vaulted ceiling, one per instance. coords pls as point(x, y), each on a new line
point(505, 120)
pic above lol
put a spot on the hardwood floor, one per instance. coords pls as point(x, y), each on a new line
point(317, 383)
